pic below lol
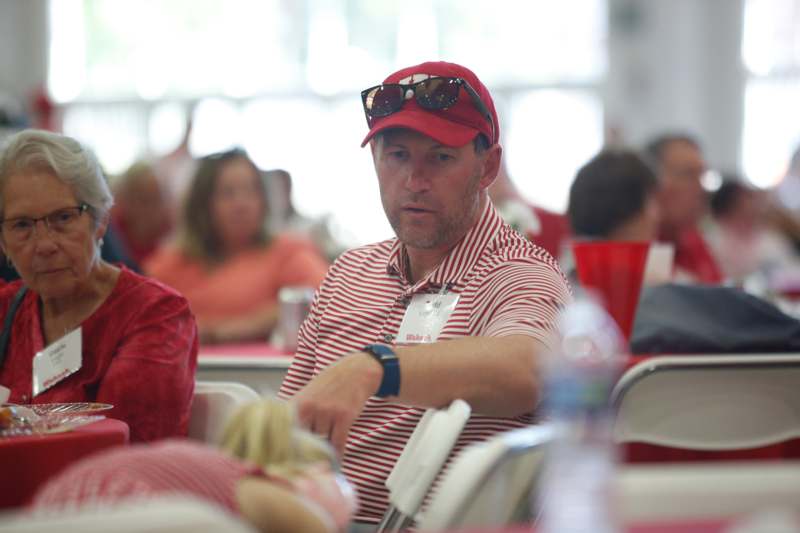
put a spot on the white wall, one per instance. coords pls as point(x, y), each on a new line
point(676, 64)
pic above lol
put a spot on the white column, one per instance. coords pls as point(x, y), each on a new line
point(676, 65)
point(23, 47)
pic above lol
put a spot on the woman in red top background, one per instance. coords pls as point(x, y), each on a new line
point(138, 338)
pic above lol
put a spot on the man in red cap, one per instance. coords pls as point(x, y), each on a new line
point(457, 305)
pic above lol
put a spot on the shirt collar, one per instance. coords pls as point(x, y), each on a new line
point(456, 264)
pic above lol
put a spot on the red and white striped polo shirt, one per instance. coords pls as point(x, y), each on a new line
point(147, 471)
point(506, 286)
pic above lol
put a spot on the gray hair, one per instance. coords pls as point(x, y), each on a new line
point(653, 151)
point(70, 161)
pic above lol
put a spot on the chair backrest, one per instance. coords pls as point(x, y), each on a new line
point(213, 404)
point(489, 484)
point(717, 402)
point(422, 459)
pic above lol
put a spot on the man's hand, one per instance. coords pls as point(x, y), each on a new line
point(329, 404)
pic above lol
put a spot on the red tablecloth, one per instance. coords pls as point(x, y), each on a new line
point(26, 462)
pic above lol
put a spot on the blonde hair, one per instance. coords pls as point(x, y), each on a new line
point(266, 433)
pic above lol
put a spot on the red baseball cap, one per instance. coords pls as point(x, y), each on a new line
point(454, 126)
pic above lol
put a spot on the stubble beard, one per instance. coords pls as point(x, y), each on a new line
point(447, 228)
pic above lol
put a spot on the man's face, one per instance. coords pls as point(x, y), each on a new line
point(682, 198)
point(432, 194)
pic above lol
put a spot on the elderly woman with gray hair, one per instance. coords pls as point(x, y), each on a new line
point(76, 328)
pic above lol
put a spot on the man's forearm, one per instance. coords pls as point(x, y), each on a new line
point(497, 376)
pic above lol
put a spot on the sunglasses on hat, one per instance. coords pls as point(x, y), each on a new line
point(437, 93)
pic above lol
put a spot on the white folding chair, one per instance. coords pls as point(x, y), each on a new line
point(213, 404)
point(710, 402)
point(420, 463)
point(489, 484)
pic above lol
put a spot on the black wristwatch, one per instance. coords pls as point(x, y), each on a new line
point(390, 384)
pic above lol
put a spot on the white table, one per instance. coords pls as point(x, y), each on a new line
point(259, 366)
point(692, 491)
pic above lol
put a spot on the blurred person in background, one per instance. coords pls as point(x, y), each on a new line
point(284, 217)
point(268, 471)
point(122, 339)
point(175, 169)
point(44, 112)
point(788, 190)
point(12, 120)
point(541, 226)
point(614, 197)
point(142, 214)
point(225, 261)
point(785, 205)
point(743, 237)
point(679, 166)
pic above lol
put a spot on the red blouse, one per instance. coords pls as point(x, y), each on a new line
point(693, 255)
point(139, 354)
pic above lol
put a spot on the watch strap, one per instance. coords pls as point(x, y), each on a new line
point(390, 383)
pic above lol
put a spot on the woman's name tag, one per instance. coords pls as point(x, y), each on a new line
point(58, 361)
point(425, 317)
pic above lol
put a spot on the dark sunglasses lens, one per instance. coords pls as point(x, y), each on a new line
point(383, 100)
point(437, 93)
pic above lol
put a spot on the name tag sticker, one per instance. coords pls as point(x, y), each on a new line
point(425, 317)
point(58, 361)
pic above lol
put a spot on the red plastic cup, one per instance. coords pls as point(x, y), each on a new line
point(614, 270)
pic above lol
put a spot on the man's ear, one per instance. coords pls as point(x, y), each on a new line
point(491, 165)
point(373, 148)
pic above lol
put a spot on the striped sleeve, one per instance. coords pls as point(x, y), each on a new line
point(526, 295)
point(144, 471)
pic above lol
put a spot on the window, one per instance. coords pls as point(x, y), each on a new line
point(771, 55)
point(282, 78)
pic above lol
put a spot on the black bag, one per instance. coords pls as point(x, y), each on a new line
point(708, 319)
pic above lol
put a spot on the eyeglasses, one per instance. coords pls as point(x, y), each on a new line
point(227, 154)
point(436, 93)
point(61, 221)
